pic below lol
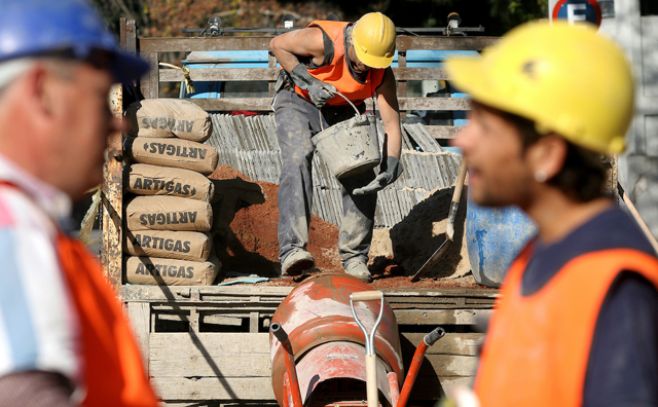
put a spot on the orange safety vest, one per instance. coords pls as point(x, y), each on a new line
point(537, 347)
point(337, 73)
point(113, 371)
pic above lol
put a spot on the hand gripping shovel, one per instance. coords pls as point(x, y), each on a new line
point(450, 228)
point(371, 356)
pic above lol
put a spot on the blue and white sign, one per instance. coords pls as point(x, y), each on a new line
point(576, 11)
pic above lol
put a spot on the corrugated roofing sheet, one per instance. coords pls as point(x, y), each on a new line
point(249, 144)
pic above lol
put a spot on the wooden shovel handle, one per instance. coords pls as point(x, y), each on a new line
point(367, 295)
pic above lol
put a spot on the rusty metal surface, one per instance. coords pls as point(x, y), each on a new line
point(318, 312)
point(339, 360)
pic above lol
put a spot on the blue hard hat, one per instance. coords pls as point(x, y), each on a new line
point(68, 28)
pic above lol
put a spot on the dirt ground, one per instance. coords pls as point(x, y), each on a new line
point(246, 216)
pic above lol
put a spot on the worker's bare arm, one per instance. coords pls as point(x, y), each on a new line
point(306, 42)
point(389, 109)
point(35, 388)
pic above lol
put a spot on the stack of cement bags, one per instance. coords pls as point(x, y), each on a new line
point(169, 221)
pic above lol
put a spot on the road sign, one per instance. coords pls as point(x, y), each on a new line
point(575, 11)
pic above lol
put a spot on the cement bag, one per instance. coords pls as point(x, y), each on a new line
point(172, 152)
point(145, 179)
point(167, 244)
point(168, 213)
point(169, 118)
point(157, 271)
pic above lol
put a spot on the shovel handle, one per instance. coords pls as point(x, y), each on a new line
point(459, 181)
point(636, 216)
point(367, 295)
point(456, 196)
point(371, 381)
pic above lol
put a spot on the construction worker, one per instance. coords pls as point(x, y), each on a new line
point(317, 61)
point(64, 339)
point(577, 321)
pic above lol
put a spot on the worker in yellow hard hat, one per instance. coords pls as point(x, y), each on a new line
point(317, 61)
point(577, 321)
point(65, 338)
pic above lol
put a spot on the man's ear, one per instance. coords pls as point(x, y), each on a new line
point(39, 92)
point(546, 156)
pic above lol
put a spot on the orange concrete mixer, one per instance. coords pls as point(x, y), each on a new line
point(318, 348)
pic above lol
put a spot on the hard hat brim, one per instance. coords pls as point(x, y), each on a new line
point(127, 67)
point(469, 75)
point(372, 61)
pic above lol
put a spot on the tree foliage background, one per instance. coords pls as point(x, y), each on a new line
point(170, 17)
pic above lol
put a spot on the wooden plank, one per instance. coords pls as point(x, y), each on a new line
point(242, 293)
point(221, 74)
point(182, 371)
point(443, 292)
point(193, 320)
point(403, 43)
point(214, 388)
point(476, 43)
point(439, 300)
point(152, 44)
point(112, 199)
point(440, 317)
point(210, 355)
point(140, 317)
point(437, 305)
point(211, 315)
point(228, 104)
point(402, 63)
point(128, 34)
point(464, 344)
point(215, 319)
point(150, 84)
point(417, 74)
point(451, 365)
point(265, 104)
point(260, 388)
point(424, 103)
point(224, 293)
point(271, 74)
point(271, 63)
point(247, 354)
point(405, 315)
point(253, 321)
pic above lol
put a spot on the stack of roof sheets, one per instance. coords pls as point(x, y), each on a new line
point(249, 144)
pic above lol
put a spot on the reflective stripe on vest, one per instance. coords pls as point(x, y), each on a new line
point(537, 347)
point(113, 372)
point(337, 73)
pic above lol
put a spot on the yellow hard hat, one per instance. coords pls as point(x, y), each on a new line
point(568, 79)
point(373, 37)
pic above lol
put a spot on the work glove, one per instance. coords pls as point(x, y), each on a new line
point(390, 170)
point(318, 91)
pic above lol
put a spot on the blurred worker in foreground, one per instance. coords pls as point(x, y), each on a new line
point(577, 322)
point(317, 61)
point(64, 339)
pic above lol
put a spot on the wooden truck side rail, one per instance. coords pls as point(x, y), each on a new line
point(211, 343)
point(153, 48)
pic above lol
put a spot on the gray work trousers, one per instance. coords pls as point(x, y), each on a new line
point(297, 120)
